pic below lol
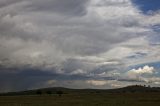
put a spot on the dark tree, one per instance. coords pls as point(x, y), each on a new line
point(59, 93)
point(39, 92)
point(49, 92)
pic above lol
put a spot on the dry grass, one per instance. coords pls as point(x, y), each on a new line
point(88, 99)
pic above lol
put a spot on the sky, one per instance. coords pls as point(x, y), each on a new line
point(99, 44)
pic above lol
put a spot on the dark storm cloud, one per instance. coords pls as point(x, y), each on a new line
point(28, 78)
point(23, 80)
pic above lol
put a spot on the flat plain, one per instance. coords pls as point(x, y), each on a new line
point(83, 99)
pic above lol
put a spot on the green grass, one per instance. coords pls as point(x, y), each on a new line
point(87, 99)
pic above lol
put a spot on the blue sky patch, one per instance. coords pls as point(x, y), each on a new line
point(147, 5)
point(137, 55)
point(156, 65)
point(156, 28)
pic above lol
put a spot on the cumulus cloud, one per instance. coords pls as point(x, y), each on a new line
point(142, 74)
point(145, 70)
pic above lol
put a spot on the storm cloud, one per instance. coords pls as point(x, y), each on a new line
point(84, 42)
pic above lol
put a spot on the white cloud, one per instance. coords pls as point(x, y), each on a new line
point(117, 53)
point(78, 71)
point(141, 74)
point(145, 70)
point(117, 85)
point(96, 82)
point(51, 82)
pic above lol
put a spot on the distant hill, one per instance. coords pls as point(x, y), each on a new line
point(61, 90)
point(136, 88)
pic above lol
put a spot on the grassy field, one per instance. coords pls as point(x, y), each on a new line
point(88, 99)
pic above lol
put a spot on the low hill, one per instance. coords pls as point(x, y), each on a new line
point(136, 88)
point(61, 90)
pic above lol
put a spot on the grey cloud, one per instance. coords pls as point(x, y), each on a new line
point(112, 3)
point(104, 70)
point(4, 3)
point(13, 26)
point(130, 80)
point(68, 39)
point(63, 7)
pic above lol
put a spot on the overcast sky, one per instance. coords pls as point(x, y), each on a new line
point(79, 43)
